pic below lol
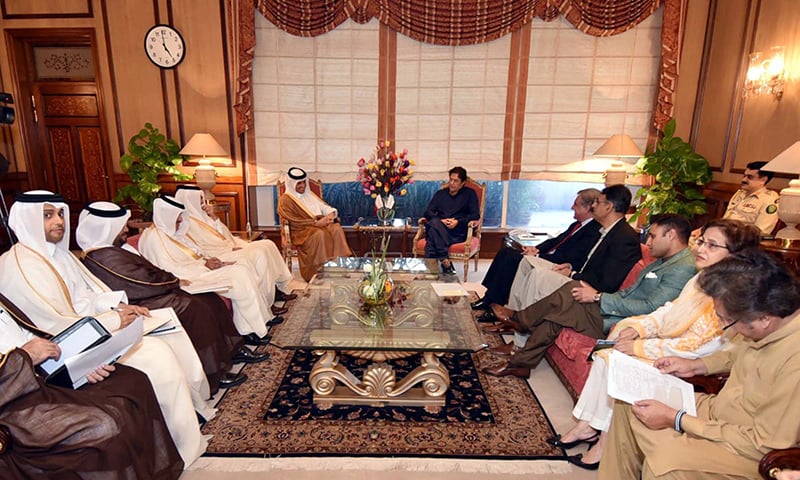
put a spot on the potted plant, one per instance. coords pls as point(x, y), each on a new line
point(679, 174)
point(150, 154)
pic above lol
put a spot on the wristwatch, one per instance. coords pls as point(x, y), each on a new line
point(597, 296)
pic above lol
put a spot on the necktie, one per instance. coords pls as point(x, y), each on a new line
point(572, 230)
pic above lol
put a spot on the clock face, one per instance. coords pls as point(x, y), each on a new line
point(164, 46)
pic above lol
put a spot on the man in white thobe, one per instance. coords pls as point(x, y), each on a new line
point(53, 288)
point(165, 244)
point(212, 236)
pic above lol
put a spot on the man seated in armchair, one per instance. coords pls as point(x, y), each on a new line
point(315, 229)
point(580, 306)
point(757, 409)
point(447, 218)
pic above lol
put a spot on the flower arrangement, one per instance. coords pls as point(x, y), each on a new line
point(376, 286)
point(385, 174)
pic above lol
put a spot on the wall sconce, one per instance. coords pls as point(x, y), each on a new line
point(765, 73)
point(204, 145)
point(788, 161)
point(619, 147)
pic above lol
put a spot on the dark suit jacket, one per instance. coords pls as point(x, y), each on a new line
point(574, 250)
point(614, 257)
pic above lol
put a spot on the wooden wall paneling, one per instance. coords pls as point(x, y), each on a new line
point(714, 123)
point(138, 92)
point(769, 126)
point(22, 9)
point(202, 77)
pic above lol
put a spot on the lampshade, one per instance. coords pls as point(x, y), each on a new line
point(788, 161)
point(619, 145)
point(203, 145)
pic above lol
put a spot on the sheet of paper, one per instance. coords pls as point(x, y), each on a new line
point(217, 286)
point(630, 380)
point(538, 262)
point(449, 289)
point(107, 352)
point(161, 321)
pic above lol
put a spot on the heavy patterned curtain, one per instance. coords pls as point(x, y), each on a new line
point(452, 22)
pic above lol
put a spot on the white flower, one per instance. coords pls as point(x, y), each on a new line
point(389, 201)
point(368, 268)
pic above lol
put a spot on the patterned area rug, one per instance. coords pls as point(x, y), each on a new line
point(273, 414)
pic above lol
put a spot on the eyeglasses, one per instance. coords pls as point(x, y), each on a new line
point(711, 245)
point(729, 325)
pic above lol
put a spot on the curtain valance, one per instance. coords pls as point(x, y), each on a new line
point(448, 22)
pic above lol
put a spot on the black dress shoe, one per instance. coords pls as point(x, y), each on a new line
point(253, 339)
point(276, 310)
point(448, 269)
point(578, 461)
point(284, 297)
point(275, 321)
point(556, 441)
point(487, 317)
point(480, 304)
point(232, 380)
point(245, 355)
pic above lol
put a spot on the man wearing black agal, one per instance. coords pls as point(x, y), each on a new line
point(572, 247)
point(447, 216)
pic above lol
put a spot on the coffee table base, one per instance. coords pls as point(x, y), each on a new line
point(380, 386)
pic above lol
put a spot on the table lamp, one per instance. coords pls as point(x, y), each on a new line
point(619, 146)
point(204, 145)
point(788, 161)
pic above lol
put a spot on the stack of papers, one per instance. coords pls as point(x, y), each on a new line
point(631, 380)
point(210, 286)
point(449, 289)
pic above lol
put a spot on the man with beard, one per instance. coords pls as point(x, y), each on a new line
point(214, 239)
point(113, 426)
point(166, 245)
point(45, 280)
point(101, 233)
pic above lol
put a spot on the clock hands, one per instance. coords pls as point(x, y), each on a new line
point(164, 44)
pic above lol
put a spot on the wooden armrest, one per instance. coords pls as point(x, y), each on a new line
point(777, 460)
point(5, 439)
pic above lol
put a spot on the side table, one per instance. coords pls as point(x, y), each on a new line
point(787, 251)
point(372, 227)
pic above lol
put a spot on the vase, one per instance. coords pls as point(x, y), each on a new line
point(385, 209)
point(376, 289)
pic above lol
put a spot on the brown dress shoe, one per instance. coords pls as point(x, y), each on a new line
point(507, 370)
point(505, 350)
point(500, 328)
point(278, 310)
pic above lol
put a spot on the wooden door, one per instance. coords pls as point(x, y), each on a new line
point(60, 111)
point(71, 146)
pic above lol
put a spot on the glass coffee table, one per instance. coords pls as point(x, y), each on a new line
point(402, 268)
point(331, 320)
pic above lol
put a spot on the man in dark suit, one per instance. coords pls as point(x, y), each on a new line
point(607, 264)
point(579, 306)
point(572, 246)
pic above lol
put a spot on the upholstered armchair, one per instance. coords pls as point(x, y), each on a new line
point(464, 250)
point(287, 247)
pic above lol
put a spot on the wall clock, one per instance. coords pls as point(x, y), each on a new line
point(164, 46)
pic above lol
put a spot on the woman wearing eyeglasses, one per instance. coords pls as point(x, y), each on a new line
point(687, 327)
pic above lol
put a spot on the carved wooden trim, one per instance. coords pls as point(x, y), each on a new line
point(61, 151)
point(70, 106)
point(91, 144)
point(89, 13)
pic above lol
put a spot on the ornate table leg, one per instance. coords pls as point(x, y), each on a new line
point(379, 386)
